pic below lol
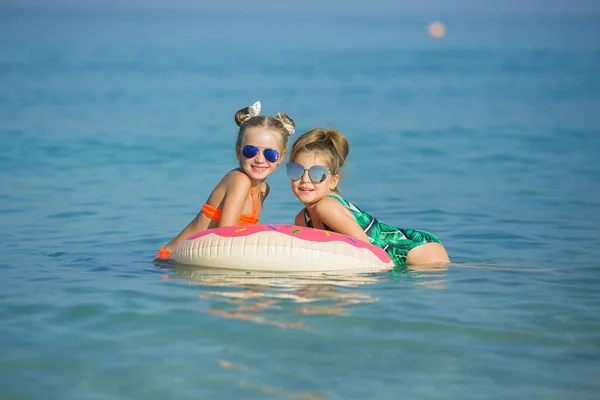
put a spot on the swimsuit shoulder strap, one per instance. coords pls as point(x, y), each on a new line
point(364, 219)
point(251, 219)
point(254, 203)
point(345, 202)
point(307, 220)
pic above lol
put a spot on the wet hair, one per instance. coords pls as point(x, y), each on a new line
point(266, 122)
point(330, 144)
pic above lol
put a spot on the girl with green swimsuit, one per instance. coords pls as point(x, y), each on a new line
point(314, 169)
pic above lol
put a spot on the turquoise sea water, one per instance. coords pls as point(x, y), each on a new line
point(114, 128)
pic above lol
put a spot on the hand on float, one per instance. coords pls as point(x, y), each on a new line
point(163, 252)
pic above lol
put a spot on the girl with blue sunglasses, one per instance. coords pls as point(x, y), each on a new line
point(238, 198)
point(314, 170)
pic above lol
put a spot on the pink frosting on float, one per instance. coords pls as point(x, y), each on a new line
point(300, 232)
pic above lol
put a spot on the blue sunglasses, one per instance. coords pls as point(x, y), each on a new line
point(316, 173)
point(270, 155)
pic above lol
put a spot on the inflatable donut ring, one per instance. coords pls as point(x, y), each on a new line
point(280, 248)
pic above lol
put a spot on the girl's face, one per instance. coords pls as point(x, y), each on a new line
point(261, 153)
point(307, 190)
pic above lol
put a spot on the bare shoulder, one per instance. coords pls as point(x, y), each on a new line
point(335, 215)
point(328, 205)
point(267, 190)
point(236, 179)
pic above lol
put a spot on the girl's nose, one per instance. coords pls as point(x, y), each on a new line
point(305, 177)
point(260, 157)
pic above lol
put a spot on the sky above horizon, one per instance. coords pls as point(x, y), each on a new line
point(441, 6)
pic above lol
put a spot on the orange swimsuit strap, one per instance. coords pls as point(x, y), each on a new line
point(214, 213)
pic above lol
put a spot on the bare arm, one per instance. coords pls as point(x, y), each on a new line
point(237, 188)
point(189, 230)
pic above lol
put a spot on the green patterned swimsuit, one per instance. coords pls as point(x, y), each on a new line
point(397, 242)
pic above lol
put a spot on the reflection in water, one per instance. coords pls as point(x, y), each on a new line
point(254, 318)
point(248, 295)
point(276, 299)
point(284, 393)
point(430, 276)
point(255, 296)
point(229, 365)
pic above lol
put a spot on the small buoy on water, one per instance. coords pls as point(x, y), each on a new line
point(436, 30)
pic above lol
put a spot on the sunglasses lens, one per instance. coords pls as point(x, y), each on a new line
point(318, 173)
point(249, 151)
point(295, 171)
point(271, 155)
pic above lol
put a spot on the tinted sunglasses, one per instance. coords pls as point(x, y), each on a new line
point(271, 155)
point(316, 173)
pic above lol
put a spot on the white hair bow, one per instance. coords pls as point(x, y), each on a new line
point(288, 127)
point(253, 111)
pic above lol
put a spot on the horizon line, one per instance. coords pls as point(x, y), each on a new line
point(314, 11)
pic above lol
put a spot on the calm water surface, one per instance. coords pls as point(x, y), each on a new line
point(114, 128)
